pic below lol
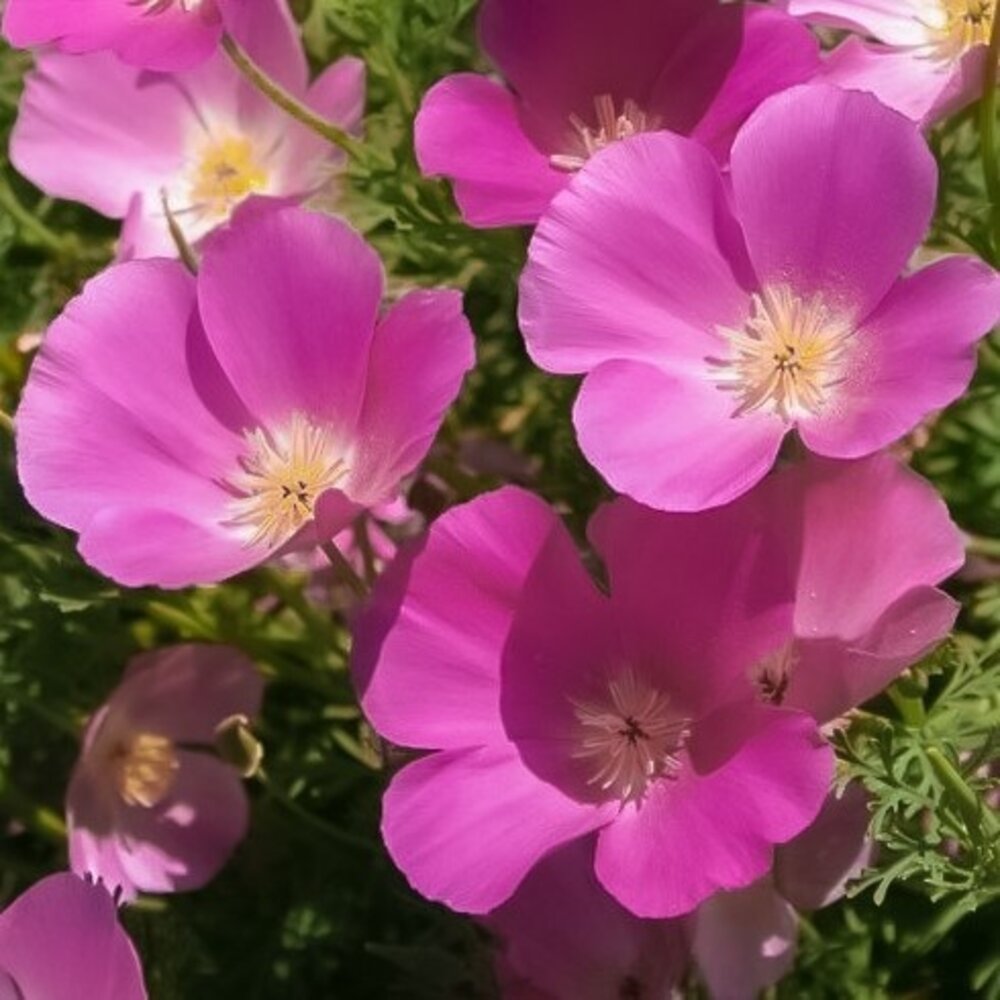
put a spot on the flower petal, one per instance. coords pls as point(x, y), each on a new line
point(671, 442)
point(666, 271)
point(427, 649)
point(714, 826)
point(820, 211)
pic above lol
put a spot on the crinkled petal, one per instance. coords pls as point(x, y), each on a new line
point(898, 22)
point(466, 826)
point(426, 652)
point(821, 213)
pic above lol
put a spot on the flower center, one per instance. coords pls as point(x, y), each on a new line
point(966, 23)
point(771, 675)
point(281, 478)
point(788, 357)
point(630, 739)
point(226, 172)
point(144, 769)
point(611, 127)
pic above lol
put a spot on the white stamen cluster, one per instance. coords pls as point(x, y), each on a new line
point(611, 128)
point(788, 357)
point(281, 478)
point(630, 739)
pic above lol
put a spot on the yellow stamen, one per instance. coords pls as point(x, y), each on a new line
point(144, 769)
point(226, 173)
point(966, 23)
point(787, 359)
point(281, 478)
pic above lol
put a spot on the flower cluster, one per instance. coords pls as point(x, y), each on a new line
point(621, 762)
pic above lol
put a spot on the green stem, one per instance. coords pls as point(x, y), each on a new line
point(987, 126)
point(29, 223)
point(976, 814)
point(317, 823)
point(6, 421)
point(982, 545)
point(911, 709)
point(278, 95)
point(186, 254)
point(345, 570)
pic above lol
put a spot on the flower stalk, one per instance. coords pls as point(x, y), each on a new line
point(987, 128)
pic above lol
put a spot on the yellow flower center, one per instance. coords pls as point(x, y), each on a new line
point(611, 127)
point(144, 769)
point(227, 171)
point(280, 479)
point(967, 23)
point(630, 738)
point(787, 359)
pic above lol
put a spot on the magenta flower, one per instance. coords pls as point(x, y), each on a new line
point(710, 323)
point(583, 74)
point(189, 428)
point(124, 140)
point(150, 807)
point(561, 935)
point(557, 711)
point(61, 940)
point(156, 34)
point(930, 55)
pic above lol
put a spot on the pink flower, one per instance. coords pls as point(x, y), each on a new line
point(122, 140)
point(585, 73)
point(711, 322)
point(932, 57)
point(562, 937)
point(556, 711)
point(150, 807)
point(156, 34)
point(61, 940)
point(189, 428)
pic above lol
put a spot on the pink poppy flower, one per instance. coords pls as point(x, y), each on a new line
point(155, 34)
point(929, 58)
point(150, 806)
point(583, 74)
point(712, 322)
point(562, 937)
point(61, 940)
point(557, 711)
point(124, 140)
point(190, 428)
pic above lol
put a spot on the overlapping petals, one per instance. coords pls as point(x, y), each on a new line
point(190, 428)
point(128, 142)
point(583, 74)
point(710, 325)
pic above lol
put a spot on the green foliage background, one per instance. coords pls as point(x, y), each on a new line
point(310, 905)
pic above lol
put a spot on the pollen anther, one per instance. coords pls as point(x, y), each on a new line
point(788, 358)
point(611, 127)
point(631, 739)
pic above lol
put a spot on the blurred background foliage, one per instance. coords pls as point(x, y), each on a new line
point(310, 906)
